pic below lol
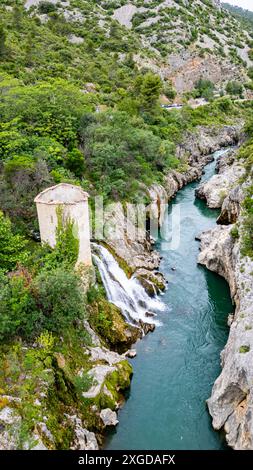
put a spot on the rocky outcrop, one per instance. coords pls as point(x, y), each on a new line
point(216, 246)
point(109, 417)
point(231, 206)
point(83, 439)
point(196, 151)
point(231, 402)
point(81, 425)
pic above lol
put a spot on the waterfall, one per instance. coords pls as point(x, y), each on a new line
point(127, 294)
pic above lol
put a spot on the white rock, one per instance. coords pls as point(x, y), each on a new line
point(109, 417)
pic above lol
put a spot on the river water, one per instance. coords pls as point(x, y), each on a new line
point(176, 366)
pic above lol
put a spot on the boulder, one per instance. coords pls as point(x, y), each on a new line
point(109, 417)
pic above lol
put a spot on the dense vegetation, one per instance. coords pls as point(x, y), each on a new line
point(246, 153)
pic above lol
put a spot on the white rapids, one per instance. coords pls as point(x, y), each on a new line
point(127, 294)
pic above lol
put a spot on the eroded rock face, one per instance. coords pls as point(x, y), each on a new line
point(152, 281)
point(130, 245)
point(231, 402)
point(217, 189)
point(197, 149)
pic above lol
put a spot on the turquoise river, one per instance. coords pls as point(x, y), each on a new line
point(176, 365)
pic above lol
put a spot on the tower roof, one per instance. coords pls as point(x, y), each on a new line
point(62, 193)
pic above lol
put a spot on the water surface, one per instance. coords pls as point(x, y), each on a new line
point(176, 366)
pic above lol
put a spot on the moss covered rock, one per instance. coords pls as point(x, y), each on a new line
point(107, 320)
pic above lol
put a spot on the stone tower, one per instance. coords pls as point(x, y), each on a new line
point(73, 202)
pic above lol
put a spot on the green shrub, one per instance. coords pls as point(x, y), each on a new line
point(59, 296)
point(46, 7)
point(204, 88)
point(234, 232)
point(53, 301)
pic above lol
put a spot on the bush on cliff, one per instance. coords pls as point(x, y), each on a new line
point(52, 301)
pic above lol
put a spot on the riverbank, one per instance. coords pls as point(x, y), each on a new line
point(230, 403)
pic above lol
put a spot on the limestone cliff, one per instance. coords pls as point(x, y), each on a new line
point(231, 402)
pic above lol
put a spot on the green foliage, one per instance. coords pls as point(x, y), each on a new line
point(75, 162)
point(21, 180)
point(59, 297)
point(234, 232)
point(120, 151)
point(235, 89)
point(169, 91)
point(82, 384)
point(46, 7)
point(47, 109)
point(2, 41)
point(19, 314)
point(224, 104)
point(12, 246)
point(204, 88)
point(247, 232)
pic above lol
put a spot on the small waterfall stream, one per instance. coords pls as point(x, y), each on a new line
point(127, 294)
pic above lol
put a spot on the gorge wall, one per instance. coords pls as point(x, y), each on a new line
point(231, 402)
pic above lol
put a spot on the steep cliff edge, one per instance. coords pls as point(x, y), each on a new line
point(231, 402)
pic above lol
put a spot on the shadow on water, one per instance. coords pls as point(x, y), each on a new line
point(205, 211)
point(176, 366)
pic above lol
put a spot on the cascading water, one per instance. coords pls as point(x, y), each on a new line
point(126, 294)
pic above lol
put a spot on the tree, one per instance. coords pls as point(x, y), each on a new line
point(75, 162)
point(59, 297)
point(20, 181)
point(2, 41)
point(234, 88)
point(52, 301)
point(12, 246)
point(47, 7)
